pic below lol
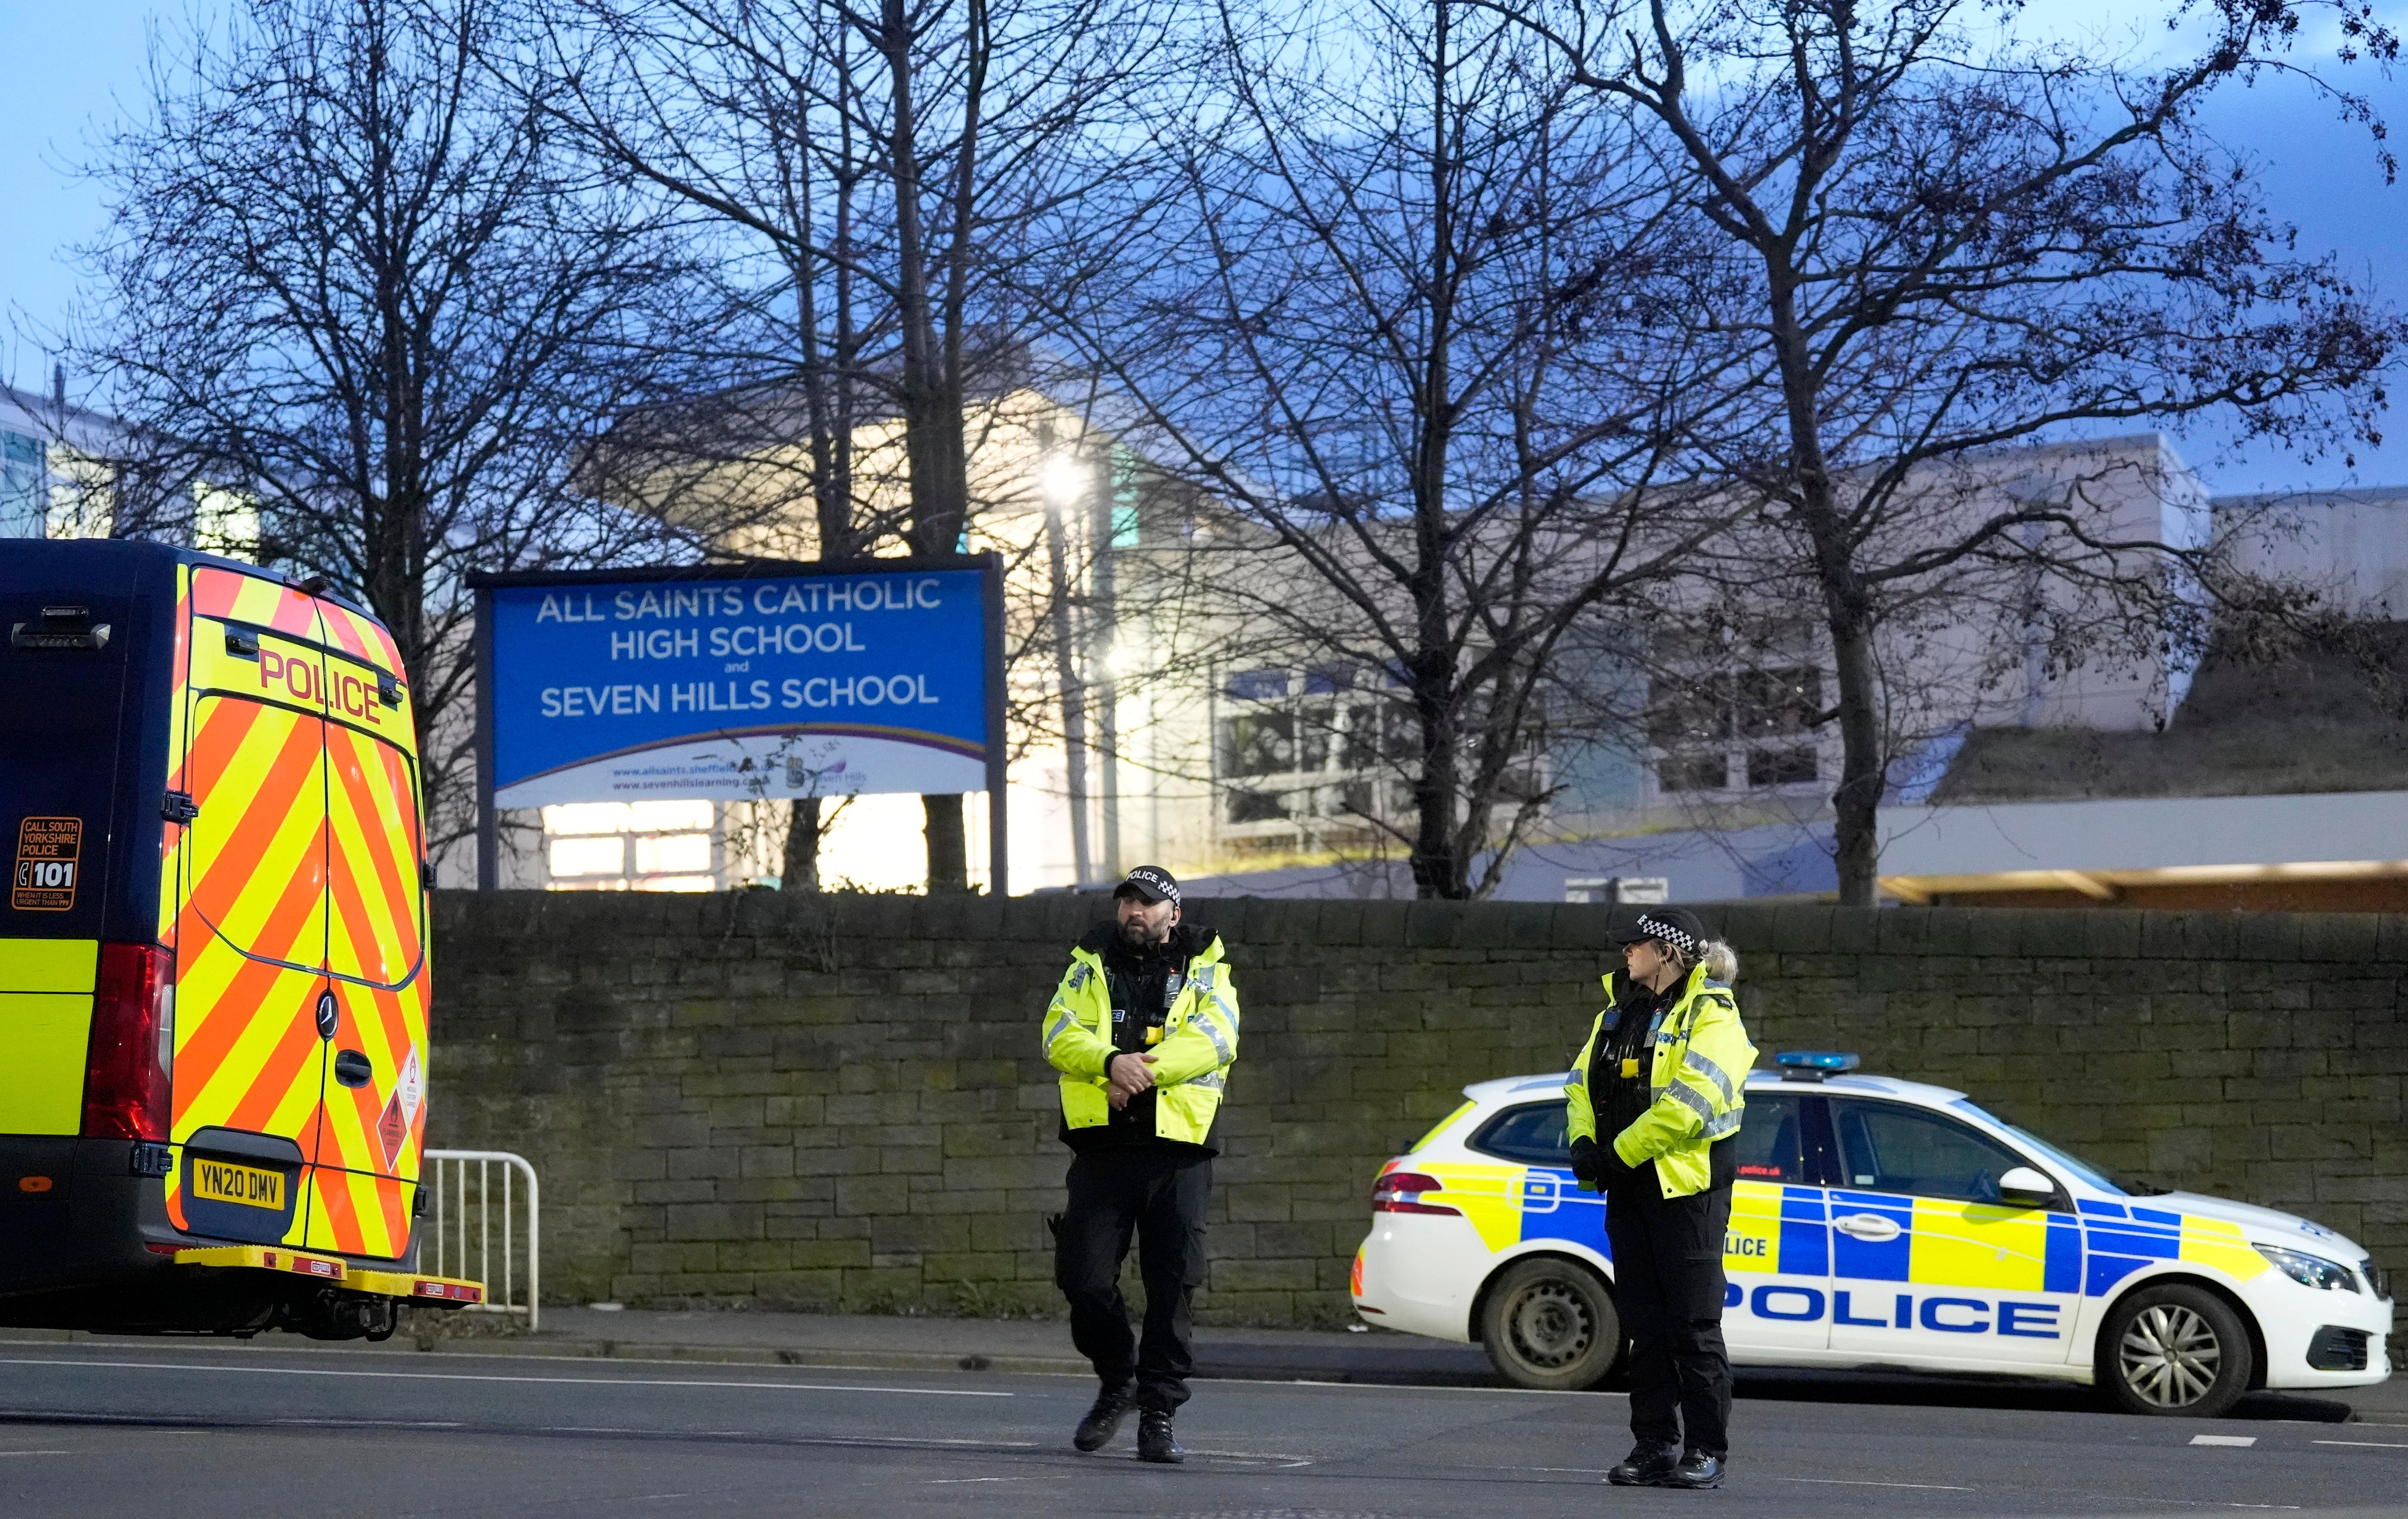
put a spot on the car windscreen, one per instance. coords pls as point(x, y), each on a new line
point(2094, 1175)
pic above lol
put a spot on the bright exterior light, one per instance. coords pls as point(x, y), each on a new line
point(1065, 478)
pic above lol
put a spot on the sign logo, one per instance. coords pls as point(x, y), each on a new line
point(48, 857)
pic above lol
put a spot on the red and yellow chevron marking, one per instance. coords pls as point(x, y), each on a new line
point(300, 878)
point(250, 929)
point(361, 637)
point(248, 1055)
point(256, 600)
point(375, 933)
point(359, 1215)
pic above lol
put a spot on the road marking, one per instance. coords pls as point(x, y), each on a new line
point(960, 1482)
point(1847, 1482)
point(463, 1376)
point(2224, 1440)
point(2378, 1444)
point(377, 1423)
point(36, 1452)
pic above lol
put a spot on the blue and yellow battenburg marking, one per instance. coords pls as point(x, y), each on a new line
point(1785, 1230)
point(2124, 1239)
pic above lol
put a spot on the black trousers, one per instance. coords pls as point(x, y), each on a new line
point(1668, 1280)
point(1159, 1196)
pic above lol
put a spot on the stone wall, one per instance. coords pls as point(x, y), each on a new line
point(839, 1102)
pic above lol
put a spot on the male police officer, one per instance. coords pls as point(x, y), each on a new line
point(1143, 1030)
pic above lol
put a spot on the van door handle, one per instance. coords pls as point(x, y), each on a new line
point(1870, 1226)
point(351, 1069)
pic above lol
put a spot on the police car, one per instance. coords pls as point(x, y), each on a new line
point(1877, 1222)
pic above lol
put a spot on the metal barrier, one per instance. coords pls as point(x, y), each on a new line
point(460, 1233)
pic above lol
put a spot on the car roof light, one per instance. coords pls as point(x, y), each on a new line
point(1813, 1065)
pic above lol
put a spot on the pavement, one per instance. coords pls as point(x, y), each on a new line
point(265, 1430)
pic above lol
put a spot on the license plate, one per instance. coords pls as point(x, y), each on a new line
point(215, 1181)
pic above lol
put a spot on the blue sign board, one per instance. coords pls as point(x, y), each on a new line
point(739, 685)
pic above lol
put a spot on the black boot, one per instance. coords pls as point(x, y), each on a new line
point(1155, 1442)
point(1697, 1469)
point(1645, 1466)
point(1103, 1421)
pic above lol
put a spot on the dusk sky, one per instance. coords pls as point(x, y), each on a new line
point(73, 67)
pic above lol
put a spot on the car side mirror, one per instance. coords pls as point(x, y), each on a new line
point(2024, 1187)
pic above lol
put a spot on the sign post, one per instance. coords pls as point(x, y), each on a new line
point(753, 682)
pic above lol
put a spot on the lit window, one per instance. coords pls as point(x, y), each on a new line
point(586, 817)
point(676, 883)
point(668, 817)
point(588, 856)
point(672, 853)
point(24, 487)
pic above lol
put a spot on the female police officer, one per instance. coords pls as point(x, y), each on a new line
point(1655, 1093)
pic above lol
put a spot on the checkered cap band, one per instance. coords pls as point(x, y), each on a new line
point(1658, 928)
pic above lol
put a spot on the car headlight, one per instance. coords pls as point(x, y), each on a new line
point(2309, 1271)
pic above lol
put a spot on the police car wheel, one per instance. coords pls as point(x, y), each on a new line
point(1549, 1325)
point(2174, 1350)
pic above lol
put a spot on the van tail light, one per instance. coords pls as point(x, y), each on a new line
point(1400, 1191)
point(132, 1038)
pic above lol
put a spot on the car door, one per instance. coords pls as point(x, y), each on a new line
point(250, 922)
point(372, 1119)
point(1928, 1264)
point(1777, 1252)
point(1550, 1204)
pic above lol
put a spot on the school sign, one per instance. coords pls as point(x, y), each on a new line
point(758, 682)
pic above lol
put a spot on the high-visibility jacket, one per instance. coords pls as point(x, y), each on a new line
point(1696, 1075)
point(1191, 1063)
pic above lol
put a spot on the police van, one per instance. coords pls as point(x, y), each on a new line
point(1877, 1222)
point(213, 960)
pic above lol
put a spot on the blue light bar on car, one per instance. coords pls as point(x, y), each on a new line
point(1813, 1065)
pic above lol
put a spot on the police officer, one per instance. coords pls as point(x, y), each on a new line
point(1143, 1030)
point(1654, 1097)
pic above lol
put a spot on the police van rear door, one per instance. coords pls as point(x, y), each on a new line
point(250, 933)
point(374, 1112)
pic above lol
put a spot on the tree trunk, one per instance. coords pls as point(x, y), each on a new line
point(801, 870)
point(1072, 696)
point(933, 444)
point(947, 846)
point(1440, 868)
point(1856, 805)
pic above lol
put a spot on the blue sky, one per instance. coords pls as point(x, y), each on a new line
point(69, 66)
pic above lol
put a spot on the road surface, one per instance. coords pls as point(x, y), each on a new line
point(200, 1430)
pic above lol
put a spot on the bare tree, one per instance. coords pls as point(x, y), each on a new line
point(1402, 322)
point(1947, 241)
point(893, 163)
point(346, 279)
